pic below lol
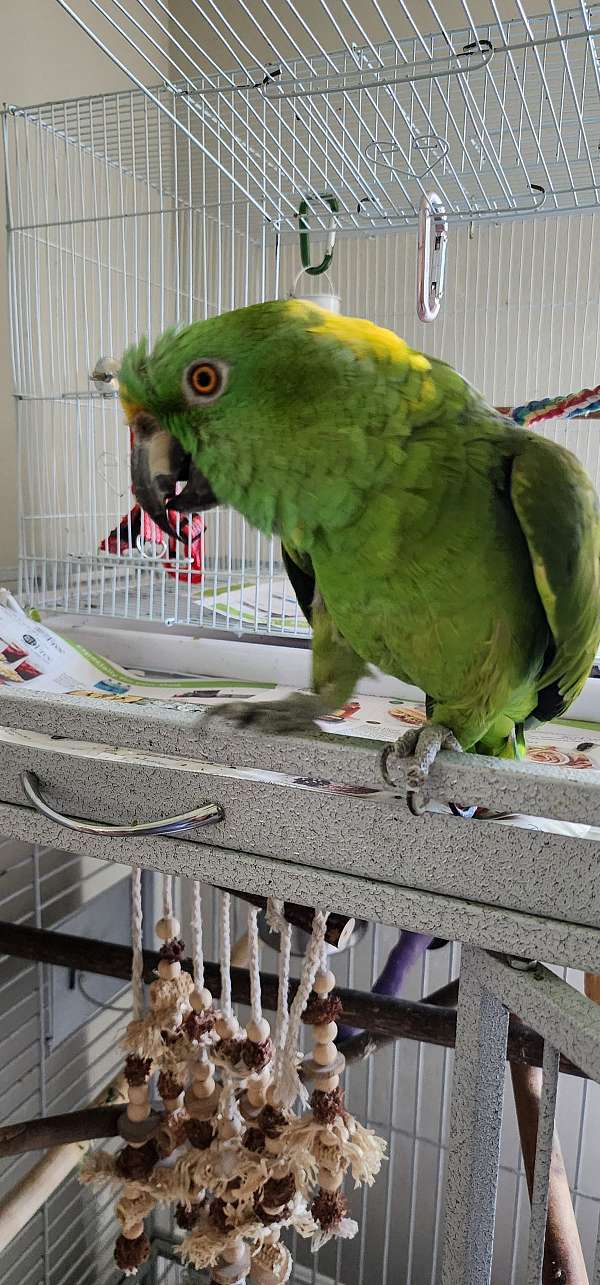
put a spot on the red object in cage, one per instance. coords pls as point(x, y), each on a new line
point(137, 529)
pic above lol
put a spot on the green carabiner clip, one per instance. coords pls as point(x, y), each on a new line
point(325, 263)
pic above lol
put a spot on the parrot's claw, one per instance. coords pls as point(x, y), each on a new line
point(423, 744)
point(296, 713)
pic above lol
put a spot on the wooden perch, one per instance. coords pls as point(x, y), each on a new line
point(357, 1048)
point(397, 1018)
point(337, 933)
point(21, 1204)
point(432, 1022)
point(563, 1256)
point(56, 1130)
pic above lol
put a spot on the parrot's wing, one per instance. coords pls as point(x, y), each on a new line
point(302, 577)
point(558, 512)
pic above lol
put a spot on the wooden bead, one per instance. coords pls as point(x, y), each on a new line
point(133, 1231)
point(235, 1253)
point(201, 999)
point(226, 1027)
point(138, 1093)
point(258, 1032)
point(202, 1108)
point(230, 1129)
point(138, 1111)
point(173, 1104)
point(202, 1071)
point(256, 1094)
point(330, 1181)
point(327, 1085)
point(324, 982)
point(325, 1034)
point(204, 1089)
point(168, 928)
point(325, 1054)
point(168, 970)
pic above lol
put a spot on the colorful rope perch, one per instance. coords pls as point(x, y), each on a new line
point(555, 407)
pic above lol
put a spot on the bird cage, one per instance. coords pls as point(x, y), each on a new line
point(351, 124)
point(148, 208)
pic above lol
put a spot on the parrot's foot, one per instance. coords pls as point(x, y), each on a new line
point(295, 713)
point(423, 744)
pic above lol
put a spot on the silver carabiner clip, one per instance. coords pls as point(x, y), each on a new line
point(431, 259)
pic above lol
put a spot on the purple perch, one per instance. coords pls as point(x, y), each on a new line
point(405, 954)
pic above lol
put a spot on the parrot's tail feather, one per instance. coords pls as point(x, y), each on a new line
point(500, 744)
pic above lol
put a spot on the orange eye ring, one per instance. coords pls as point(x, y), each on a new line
point(204, 379)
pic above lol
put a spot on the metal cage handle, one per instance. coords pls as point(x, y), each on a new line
point(206, 814)
point(431, 263)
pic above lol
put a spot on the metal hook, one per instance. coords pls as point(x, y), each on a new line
point(326, 261)
point(431, 263)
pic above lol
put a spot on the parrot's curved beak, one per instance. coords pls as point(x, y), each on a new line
point(158, 463)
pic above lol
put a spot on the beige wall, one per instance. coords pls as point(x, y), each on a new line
point(43, 56)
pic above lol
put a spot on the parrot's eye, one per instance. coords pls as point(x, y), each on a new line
point(204, 381)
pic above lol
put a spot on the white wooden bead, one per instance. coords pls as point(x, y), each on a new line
point(168, 928)
point(325, 1054)
point(325, 1034)
point(138, 1093)
point(328, 1084)
point(133, 1231)
point(226, 1027)
point(256, 1094)
point(201, 999)
point(138, 1111)
point(324, 982)
point(258, 1032)
point(168, 970)
point(204, 1089)
point(330, 1181)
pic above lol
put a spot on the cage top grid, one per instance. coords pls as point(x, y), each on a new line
point(502, 117)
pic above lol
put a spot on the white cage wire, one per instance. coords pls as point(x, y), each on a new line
point(139, 210)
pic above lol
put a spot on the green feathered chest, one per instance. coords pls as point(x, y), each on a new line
point(434, 581)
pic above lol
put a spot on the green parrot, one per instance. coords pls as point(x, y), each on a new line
point(422, 532)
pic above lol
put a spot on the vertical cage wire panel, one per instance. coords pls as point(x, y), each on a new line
point(121, 226)
point(72, 1237)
